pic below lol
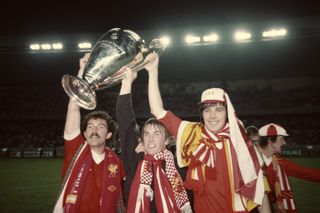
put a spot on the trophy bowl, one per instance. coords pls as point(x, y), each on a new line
point(114, 50)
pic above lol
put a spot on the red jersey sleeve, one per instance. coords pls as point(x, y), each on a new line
point(171, 122)
point(71, 147)
point(294, 170)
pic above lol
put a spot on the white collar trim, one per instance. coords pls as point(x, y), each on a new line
point(97, 157)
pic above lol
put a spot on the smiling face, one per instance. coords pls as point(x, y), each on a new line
point(214, 116)
point(154, 138)
point(96, 132)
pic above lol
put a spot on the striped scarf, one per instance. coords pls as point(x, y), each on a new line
point(202, 165)
point(78, 170)
point(284, 194)
point(169, 193)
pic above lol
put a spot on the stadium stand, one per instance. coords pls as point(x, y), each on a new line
point(32, 122)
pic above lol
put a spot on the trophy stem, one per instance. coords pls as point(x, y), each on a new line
point(80, 91)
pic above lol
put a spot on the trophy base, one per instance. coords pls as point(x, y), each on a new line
point(80, 91)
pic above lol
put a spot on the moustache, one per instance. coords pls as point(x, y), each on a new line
point(94, 135)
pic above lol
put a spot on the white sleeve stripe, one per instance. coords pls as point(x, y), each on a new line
point(70, 136)
point(162, 114)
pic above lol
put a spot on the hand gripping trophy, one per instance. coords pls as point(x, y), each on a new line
point(114, 50)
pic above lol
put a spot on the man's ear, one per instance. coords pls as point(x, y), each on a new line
point(108, 135)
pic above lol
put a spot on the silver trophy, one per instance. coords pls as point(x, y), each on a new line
point(114, 50)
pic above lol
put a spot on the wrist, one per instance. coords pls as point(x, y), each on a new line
point(153, 71)
point(73, 104)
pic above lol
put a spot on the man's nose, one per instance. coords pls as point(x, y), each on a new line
point(150, 138)
point(94, 129)
point(212, 114)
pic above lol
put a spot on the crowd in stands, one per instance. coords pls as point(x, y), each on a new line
point(33, 116)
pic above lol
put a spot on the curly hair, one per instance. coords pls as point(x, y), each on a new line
point(99, 115)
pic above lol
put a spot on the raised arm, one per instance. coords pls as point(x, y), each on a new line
point(73, 118)
point(155, 100)
point(128, 131)
point(126, 83)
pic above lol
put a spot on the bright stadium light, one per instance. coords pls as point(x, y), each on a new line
point(46, 46)
point(242, 36)
point(274, 33)
point(190, 39)
point(34, 46)
point(85, 45)
point(166, 40)
point(57, 46)
point(211, 38)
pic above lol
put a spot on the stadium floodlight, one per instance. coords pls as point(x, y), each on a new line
point(46, 46)
point(190, 39)
point(84, 45)
point(211, 38)
point(34, 46)
point(274, 33)
point(57, 46)
point(242, 36)
point(166, 40)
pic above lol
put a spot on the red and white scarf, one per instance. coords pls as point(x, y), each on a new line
point(202, 166)
point(73, 184)
point(284, 194)
point(205, 155)
point(169, 193)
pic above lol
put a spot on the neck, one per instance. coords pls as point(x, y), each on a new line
point(268, 153)
point(98, 150)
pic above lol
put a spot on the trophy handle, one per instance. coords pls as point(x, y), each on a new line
point(80, 91)
point(156, 45)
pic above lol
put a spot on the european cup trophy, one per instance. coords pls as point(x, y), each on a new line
point(114, 50)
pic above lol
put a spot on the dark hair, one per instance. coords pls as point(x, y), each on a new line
point(204, 106)
point(111, 124)
point(265, 139)
point(155, 122)
point(252, 130)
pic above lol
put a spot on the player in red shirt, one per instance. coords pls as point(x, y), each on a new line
point(92, 173)
point(277, 168)
point(223, 170)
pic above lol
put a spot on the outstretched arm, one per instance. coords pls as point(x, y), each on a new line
point(302, 172)
point(155, 100)
point(73, 118)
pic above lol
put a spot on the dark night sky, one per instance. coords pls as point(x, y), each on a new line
point(286, 58)
point(55, 17)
